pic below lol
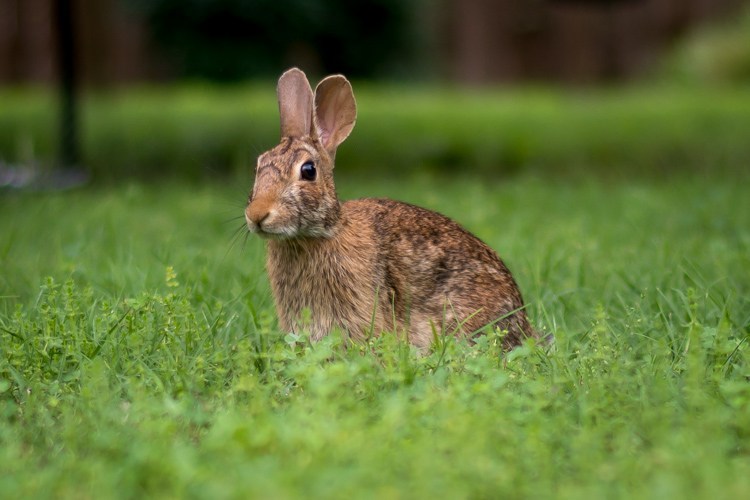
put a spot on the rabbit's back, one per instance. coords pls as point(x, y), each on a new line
point(437, 274)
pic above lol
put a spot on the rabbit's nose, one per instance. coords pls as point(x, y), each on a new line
point(257, 211)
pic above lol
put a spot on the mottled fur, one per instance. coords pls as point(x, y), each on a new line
point(369, 265)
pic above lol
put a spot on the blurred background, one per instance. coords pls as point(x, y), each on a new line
point(111, 88)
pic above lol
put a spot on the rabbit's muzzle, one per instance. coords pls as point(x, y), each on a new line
point(258, 212)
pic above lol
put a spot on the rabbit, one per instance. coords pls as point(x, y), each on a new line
point(369, 265)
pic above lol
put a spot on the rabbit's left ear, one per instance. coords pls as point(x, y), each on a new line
point(335, 111)
point(295, 104)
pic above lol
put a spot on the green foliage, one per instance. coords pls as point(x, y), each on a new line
point(140, 355)
point(718, 53)
point(201, 132)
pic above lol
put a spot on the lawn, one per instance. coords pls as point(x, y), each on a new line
point(139, 352)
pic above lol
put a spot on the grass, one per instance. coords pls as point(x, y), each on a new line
point(202, 131)
point(139, 352)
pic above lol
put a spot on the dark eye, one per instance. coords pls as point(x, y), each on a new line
point(307, 171)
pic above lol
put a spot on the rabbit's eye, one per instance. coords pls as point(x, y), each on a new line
point(307, 171)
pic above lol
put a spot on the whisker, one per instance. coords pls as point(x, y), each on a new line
point(233, 219)
point(236, 235)
point(244, 241)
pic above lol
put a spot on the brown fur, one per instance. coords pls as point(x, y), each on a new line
point(369, 265)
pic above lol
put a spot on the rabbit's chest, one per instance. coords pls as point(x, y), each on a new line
point(319, 290)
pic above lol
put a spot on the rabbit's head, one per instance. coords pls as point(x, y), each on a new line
point(294, 194)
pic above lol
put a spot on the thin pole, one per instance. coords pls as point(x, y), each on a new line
point(66, 56)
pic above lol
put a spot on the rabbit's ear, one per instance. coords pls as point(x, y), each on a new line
point(335, 111)
point(295, 104)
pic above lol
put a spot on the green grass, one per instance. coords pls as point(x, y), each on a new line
point(139, 352)
point(208, 131)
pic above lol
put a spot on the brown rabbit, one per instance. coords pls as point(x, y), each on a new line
point(370, 265)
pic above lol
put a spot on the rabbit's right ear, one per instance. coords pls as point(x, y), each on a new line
point(335, 111)
point(295, 103)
